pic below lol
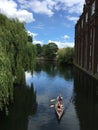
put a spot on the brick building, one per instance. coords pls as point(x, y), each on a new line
point(86, 38)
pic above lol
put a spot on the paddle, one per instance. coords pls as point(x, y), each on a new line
point(52, 100)
point(51, 106)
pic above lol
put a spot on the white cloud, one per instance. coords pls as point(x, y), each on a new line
point(41, 7)
point(65, 37)
point(72, 6)
point(62, 44)
point(47, 7)
point(24, 16)
point(51, 3)
point(32, 34)
point(22, 1)
point(10, 9)
point(59, 43)
point(72, 18)
point(38, 42)
point(71, 3)
point(29, 78)
point(20, 10)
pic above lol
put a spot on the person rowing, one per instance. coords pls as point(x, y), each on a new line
point(59, 106)
point(59, 99)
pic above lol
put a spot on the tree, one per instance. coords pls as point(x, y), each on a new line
point(29, 57)
point(6, 80)
point(38, 49)
point(30, 38)
point(44, 50)
point(65, 55)
point(49, 51)
point(17, 54)
point(52, 48)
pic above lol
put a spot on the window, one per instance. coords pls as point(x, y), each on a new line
point(90, 65)
point(82, 23)
point(93, 8)
point(93, 39)
point(86, 17)
point(90, 50)
point(91, 35)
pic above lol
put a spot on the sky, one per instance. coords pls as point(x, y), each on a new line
point(46, 20)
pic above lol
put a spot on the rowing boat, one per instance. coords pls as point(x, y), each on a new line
point(59, 107)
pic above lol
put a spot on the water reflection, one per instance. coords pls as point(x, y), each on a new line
point(32, 111)
point(86, 100)
point(52, 69)
point(49, 81)
point(24, 105)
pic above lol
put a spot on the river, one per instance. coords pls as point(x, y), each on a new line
point(32, 106)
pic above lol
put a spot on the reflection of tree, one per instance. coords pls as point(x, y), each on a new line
point(86, 100)
point(66, 72)
point(52, 69)
point(48, 67)
point(25, 104)
point(38, 67)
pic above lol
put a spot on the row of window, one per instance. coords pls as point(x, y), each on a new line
point(86, 16)
point(89, 43)
point(93, 8)
point(88, 37)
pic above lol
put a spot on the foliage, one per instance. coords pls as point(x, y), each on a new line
point(49, 51)
point(29, 57)
point(45, 50)
point(38, 49)
point(30, 39)
point(65, 55)
point(17, 54)
point(6, 79)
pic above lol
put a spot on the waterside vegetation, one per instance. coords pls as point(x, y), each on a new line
point(17, 54)
point(52, 52)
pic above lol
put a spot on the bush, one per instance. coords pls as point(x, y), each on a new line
point(65, 55)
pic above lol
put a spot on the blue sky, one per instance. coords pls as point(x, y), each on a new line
point(46, 20)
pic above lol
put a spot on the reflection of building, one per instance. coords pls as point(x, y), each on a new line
point(86, 38)
point(86, 100)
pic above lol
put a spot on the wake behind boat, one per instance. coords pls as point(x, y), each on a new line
point(59, 107)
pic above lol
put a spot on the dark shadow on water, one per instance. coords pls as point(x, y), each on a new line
point(24, 105)
point(86, 100)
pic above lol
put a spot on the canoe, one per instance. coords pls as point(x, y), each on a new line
point(60, 109)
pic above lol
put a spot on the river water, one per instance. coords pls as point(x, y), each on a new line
point(33, 108)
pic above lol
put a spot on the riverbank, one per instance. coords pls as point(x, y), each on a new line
point(45, 59)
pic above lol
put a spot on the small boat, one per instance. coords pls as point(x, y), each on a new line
point(59, 107)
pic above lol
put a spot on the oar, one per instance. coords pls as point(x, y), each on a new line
point(51, 106)
point(52, 100)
